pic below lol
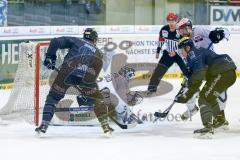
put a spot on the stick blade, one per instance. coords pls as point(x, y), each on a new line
point(160, 115)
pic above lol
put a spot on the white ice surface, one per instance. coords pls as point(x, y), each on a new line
point(166, 140)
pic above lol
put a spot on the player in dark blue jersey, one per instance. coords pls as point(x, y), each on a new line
point(80, 68)
point(219, 73)
point(168, 45)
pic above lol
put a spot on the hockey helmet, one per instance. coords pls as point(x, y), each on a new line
point(90, 34)
point(127, 72)
point(172, 16)
point(185, 41)
point(184, 22)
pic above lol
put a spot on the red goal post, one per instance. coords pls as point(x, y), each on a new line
point(37, 81)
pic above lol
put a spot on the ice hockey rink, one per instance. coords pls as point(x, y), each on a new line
point(167, 139)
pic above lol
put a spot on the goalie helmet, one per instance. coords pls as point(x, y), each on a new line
point(90, 34)
point(127, 72)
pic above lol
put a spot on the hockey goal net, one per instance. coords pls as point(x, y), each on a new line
point(31, 86)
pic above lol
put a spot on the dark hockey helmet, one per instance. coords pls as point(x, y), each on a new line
point(127, 72)
point(185, 41)
point(184, 22)
point(90, 34)
point(172, 16)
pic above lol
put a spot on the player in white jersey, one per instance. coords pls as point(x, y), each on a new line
point(205, 37)
point(202, 36)
point(115, 90)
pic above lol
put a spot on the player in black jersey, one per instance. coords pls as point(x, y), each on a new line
point(168, 45)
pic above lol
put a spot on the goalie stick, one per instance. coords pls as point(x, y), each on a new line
point(123, 126)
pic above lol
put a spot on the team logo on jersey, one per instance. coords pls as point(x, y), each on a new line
point(164, 33)
point(198, 38)
point(177, 35)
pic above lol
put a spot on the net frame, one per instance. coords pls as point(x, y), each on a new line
point(37, 82)
point(27, 97)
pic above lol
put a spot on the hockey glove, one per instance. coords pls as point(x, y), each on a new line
point(216, 35)
point(50, 61)
point(181, 98)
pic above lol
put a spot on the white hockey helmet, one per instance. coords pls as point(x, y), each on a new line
point(184, 22)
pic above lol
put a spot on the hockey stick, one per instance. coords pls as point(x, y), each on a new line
point(123, 126)
point(119, 124)
point(163, 114)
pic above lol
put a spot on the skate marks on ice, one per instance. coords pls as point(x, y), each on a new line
point(164, 130)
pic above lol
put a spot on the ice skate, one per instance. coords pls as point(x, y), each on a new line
point(205, 133)
point(108, 131)
point(41, 130)
point(220, 125)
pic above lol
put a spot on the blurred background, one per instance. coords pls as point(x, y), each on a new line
point(115, 12)
point(41, 20)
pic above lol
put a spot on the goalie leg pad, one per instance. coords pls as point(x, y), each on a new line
point(134, 98)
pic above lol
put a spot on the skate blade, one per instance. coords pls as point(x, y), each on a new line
point(222, 129)
point(203, 135)
point(40, 134)
point(132, 125)
point(108, 135)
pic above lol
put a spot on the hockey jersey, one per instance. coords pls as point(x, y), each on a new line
point(168, 40)
point(200, 37)
point(203, 63)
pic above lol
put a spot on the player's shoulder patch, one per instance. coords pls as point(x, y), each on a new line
point(165, 33)
point(178, 36)
point(197, 38)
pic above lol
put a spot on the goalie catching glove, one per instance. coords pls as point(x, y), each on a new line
point(50, 61)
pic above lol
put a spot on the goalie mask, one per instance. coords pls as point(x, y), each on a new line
point(127, 72)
